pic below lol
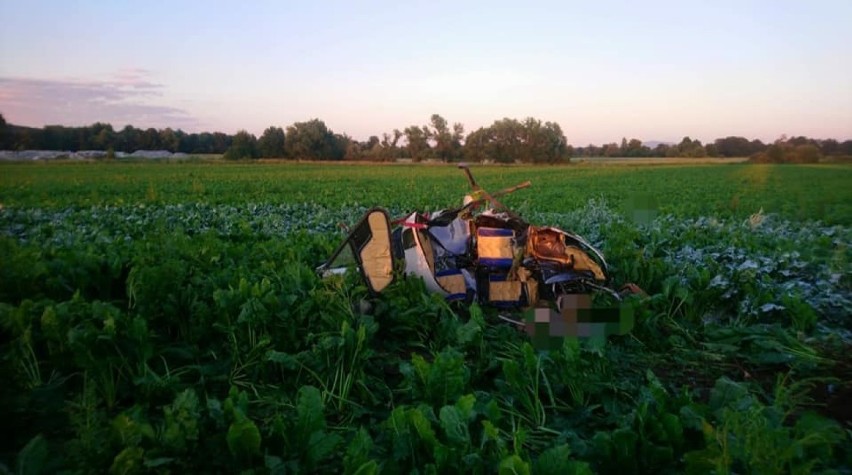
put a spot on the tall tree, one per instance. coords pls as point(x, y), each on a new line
point(557, 148)
point(733, 146)
point(418, 142)
point(829, 146)
point(476, 145)
point(354, 150)
point(636, 149)
point(371, 142)
point(169, 140)
point(541, 143)
point(5, 134)
point(150, 139)
point(458, 136)
point(611, 150)
point(509, 140)
point(446, 141)
point(691, 148)
point(312, 140)
point(187, 143)
point(506, 146)
point(387, 149)
point(128, 139)
point(271, 144)
point(243, 146)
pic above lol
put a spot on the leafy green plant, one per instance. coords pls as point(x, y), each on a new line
point(753, 437)
point(437, 382)
point(151, 324)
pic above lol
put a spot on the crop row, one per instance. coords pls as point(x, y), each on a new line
point(197, 337)
point(802, 193)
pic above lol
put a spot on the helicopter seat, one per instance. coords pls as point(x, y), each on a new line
point(494, 247)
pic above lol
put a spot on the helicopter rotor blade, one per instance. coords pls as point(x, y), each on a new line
point(470, 178)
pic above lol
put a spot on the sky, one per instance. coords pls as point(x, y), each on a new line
point(603, 70)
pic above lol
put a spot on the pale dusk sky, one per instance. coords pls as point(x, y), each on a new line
point(656, 70)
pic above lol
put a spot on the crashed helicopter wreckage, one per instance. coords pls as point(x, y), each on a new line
point(492, 257)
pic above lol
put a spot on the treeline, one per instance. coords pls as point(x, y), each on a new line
point(504, 141)
point(793, 150)
point(100, 136)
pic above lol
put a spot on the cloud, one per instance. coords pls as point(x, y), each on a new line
point(127, 97)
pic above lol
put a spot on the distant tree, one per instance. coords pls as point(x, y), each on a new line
point(611, 150)
point(476, 145)
point(506, 136)
point(243, 146)
point(187, 143)
point(393, 147)
point(24, 140)
point(845, 147)
point(506, 140)
point(338, 144)
point(354, 150)
point(734, 147)
point(569, 152)
point(418, 142)
point(150, 140)
point(684, 146)
point(458, 133)
point(373, 153)
point(829, 146)
point(56, 137)
point(272, 143)
point(661, 150)
point(690, 148)
point(542, 143)
point(711, 150)
point(312, 140)
point(793, 150)
point(4, 134)
point(636, 149)
point(672, 151)
point(757, 146)
point(371, 142)
point(386, 149)
point(698, 150)
point(557, 148)
point(220, 142)
point(801, 140)
point(509, 140)
point(204, 143)
point(775, 153)
point(447, 142)
point(169, 140)
point(806, 153)
point(591, 150)
point(104, 139)
point(128, 139)
point(82, 138)
point(442, 137)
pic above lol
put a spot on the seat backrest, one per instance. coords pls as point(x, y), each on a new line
point(428, 252)
point(494, 247)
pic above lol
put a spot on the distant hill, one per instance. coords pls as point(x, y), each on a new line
point(653, 143)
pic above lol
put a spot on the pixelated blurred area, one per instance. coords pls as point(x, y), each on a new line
point(573, 318)
point(642, 208)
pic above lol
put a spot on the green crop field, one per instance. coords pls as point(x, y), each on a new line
point(799, 193)
point(166, 318)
